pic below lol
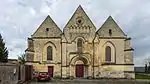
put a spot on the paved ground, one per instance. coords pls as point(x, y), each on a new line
point(104, 81)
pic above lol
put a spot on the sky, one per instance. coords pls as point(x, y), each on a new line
point(20, 18)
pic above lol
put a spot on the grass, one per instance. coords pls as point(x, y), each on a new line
point(141, 76)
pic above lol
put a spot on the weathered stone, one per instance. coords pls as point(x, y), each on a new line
point(110, 26)
point(80, 44)
point(112, 74)
point(48, 28)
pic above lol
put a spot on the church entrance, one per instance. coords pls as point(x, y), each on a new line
point(80, 67)
point(79, 70)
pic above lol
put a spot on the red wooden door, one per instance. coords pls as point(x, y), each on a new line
point(50, 70)
point(28, 72)
point(79, 70)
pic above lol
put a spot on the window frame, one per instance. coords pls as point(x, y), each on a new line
point(79, 44)
point(49, 53)
point(108, 54)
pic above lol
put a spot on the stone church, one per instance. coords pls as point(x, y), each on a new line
point(81, 50)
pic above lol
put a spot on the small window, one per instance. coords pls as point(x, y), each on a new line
point(110, 32)
point(47, 29)
point(79, 21)
point(79, 45)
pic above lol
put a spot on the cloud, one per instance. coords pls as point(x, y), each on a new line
point(20, 18)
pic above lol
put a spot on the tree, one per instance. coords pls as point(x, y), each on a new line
point(3, 51)
point(21, 59)
point(146, 68)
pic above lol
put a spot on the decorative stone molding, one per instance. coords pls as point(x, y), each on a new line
point(112, 37)
point(115, 64)
point(46, 37)
point(128, 39)
point(129, 49)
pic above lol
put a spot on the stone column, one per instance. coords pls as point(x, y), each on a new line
point(64, 72)
point(72, 70)
point(90, 70)
point(86, 71)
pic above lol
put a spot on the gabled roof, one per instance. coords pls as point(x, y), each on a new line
point(79, 12)
point(110, 24)
point(54, 30)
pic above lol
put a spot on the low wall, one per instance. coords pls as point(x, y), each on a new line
point(8, 73)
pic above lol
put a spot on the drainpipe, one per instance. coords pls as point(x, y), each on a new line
point(61, 56)
point(93, 54)
point(93, 57)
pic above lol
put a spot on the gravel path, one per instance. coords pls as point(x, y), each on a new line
point(78, 81)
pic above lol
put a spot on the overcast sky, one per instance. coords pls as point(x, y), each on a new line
point(20, 18)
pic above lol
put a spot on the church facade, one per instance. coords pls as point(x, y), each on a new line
point(81, 51)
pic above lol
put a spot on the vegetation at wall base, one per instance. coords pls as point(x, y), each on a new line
point(142, 76)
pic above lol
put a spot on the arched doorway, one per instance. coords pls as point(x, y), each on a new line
point(79, 71)
point(79, 67)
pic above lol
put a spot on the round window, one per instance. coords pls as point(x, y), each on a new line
point(79, 21)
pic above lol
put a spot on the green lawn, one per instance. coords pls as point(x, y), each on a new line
point(141, 76)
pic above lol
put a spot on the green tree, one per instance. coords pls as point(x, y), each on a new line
point(21, 59)
point(146, 68)
point(3, 51)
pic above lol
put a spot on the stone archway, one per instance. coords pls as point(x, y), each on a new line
point(84, 59)
point(80, 66)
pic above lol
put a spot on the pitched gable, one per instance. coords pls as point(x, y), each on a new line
point(80, 13)
point(79, 25)
point(48, 28)
point(110, 29)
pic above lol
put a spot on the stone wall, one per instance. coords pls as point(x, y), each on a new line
point(111, 74)
point(8, 73)
point(129, 75)
point(64, 45)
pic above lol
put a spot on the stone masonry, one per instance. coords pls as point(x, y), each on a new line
point(80, 50)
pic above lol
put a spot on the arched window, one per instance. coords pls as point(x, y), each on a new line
point(79, 45)
point(108, 54)
point(49, 53)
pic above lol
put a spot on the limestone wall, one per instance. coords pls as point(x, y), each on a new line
point(117, 47)
point(40, 49)
point(41, 55)
point(9, 73)
point(65, 51)
point(116, 71)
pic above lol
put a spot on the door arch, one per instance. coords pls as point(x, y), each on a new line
point(79, 66)
point(84, 59)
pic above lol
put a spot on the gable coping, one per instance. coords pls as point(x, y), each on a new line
point(43, 23)
point(74, 15)
point(110, 17)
